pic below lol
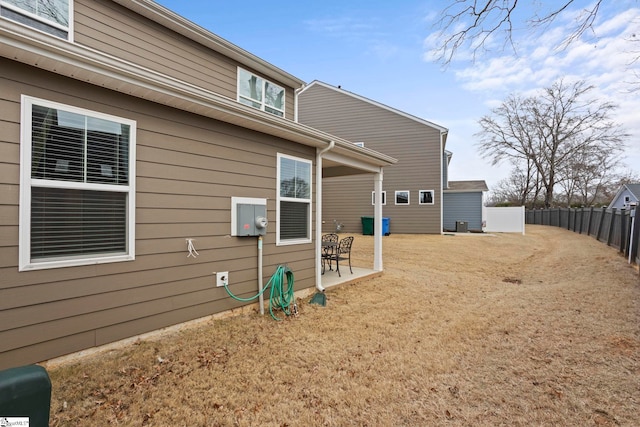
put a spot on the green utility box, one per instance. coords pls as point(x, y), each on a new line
point(25, 392)
point(367, 226)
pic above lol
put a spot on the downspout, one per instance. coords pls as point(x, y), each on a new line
point(442, 166)
point(319, 154)
point(377, 215)
point(297, 92)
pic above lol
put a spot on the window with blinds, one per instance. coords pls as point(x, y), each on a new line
point(294, 200)
point(78, 206)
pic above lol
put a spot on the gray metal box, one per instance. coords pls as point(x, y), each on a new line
point(251, 220)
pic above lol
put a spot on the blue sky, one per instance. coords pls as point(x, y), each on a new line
point(382, 50)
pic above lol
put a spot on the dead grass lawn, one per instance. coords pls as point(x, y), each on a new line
point(542, 329)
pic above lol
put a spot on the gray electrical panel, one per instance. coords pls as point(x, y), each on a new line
point(251, 220)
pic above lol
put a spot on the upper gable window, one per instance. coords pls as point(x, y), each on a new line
point(260, 93)
point(51, 16)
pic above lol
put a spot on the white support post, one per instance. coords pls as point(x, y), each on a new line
point(318, 236)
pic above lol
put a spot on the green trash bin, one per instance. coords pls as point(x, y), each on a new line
point(25, 392)
point(367, 225)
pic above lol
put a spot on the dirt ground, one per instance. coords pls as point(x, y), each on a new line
point(475, 330)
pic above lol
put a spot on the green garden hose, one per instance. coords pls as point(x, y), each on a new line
point(281, 294)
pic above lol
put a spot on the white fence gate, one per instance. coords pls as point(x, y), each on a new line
point(504, 220)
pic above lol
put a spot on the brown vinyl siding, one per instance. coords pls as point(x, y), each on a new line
point(188, 168)
point(414, 144)
point(347, 199)
point(115, 30)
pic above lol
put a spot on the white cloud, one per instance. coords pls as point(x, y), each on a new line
point(537, 65)
point(604, 58)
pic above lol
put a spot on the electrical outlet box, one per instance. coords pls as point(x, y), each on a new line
point(248, 216)
point(252, 220)
point(222, 278)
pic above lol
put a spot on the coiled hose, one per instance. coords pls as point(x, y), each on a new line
point(281, 295)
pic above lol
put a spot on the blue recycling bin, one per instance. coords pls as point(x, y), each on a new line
point(385, 227)
point(25, 392)
point(368, 227)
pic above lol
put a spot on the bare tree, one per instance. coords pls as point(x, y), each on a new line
point(549, 131)
point(476, 22)
point(520, 188)
point(586, 176)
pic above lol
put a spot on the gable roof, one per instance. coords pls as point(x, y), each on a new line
point(181, 25)
point(35, 48)
point(467, 186)
point(377, 104)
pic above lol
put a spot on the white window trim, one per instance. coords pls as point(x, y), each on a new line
point(26, 182)
point(433, 197)
point(384, 198)
point(69, 29)
point(408, 198)
point(280, 242)
point(263, 103)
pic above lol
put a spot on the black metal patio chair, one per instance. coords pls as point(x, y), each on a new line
point(329, 247)
point(342, 253)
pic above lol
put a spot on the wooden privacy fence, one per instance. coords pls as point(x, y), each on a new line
point(615, 227)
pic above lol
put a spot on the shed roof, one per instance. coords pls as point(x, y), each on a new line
point(467, 186)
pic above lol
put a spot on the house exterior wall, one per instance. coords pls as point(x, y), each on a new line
point(188, 168)
point(462, 207)
point(111, 28)
point(619, 200)
point(415, 145)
